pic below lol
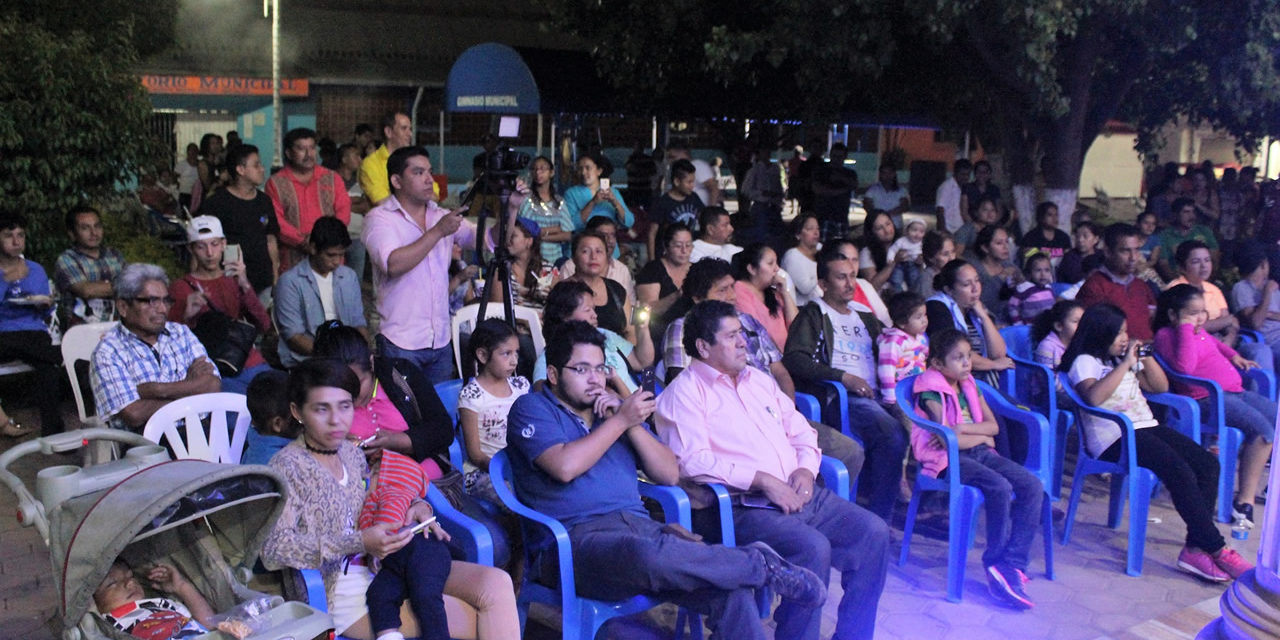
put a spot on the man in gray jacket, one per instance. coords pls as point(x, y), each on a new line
point(317, 290)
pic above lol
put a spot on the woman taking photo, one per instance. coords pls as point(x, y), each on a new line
point(761, 290)
point(659, 283)
point(800, 260)
point(591, 263)
point(571, 300)
point(874, 262)
point(588, 200)
point(326, 475)
point(542, 205)
point(957, 303)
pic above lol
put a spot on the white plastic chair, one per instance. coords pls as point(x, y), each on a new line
point(179, 425)
point(78, 344)
point(466, 318)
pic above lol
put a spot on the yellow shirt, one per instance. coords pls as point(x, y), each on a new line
point(373, 176)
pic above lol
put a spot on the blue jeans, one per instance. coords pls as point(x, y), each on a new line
point(906, 274)
point(714, 580)
point(240, 383)
point(828, 532)
point(1250, 412)
point(1012, 496)
point(435, 364)
point(417, 571)
point(886, 445)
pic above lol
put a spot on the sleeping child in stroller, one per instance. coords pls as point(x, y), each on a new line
point(121, 600)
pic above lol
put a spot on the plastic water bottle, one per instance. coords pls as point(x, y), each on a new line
point(1239, 531)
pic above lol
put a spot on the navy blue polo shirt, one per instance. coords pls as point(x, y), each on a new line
point(537, 422)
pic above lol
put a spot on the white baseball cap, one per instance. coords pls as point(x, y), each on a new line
point(204, 228)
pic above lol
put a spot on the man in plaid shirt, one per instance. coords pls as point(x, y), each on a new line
point(84, 272)
point(146, 362)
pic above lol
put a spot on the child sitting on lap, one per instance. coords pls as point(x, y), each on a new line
point(272, 426)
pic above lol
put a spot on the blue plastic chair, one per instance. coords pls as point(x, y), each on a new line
point(1031, 384)
point(835, 477)
point(448, 392)
point(1139, 483)
point(1230, 439)
point(1060, 288)
point(809, 406)
point(582, 617)
point(963, 501)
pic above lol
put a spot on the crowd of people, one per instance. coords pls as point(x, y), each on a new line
point(732, 322)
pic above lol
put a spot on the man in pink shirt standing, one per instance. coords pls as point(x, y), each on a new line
point(303, 192)
point(410, 240)
point(730, 423)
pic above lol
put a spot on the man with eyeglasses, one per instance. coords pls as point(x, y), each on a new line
point(730, 423)
point(574, 450)
point(146, 362)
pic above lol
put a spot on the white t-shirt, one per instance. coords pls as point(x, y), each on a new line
point(851, 349)
point(702, 172)
point(948, 198)
point(703, 249)
point(904, 243)
point(491, 412)
point(884, 199)
point(186, 174)
point(1101, 433)
point(325, 286)
point(805, 274)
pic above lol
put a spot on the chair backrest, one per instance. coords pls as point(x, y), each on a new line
point(78, 344)
point(181, 425)
point(464, 321)
point(448, 392)
point(1017, 340)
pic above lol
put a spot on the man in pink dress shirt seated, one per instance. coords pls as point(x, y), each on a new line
point(730, 423)
point(410, 242)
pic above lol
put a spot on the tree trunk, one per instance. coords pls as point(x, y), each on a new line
point(1063, 160)
point(1020, 163)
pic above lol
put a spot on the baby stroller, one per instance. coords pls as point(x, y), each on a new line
point(208, 520)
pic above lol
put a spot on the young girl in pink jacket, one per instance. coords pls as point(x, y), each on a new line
point(1183, 342)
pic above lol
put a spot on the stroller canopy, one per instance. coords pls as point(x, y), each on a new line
point(234, 506)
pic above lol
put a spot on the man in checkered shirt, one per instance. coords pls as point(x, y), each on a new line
point(146, 362)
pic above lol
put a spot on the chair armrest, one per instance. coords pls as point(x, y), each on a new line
point(455, 453)
point(473, 537)
point(1250, 335)
point(809, 406)
point(835, 476)
point(949, 441)
point(315, 588)
point(1263, 380)
point(1039, 431)
point(724, 506)
point(499, 469)
point(674, 501)
point(842, 400)
point(1044, 398)
point(1184, 413)
point(1128, 451)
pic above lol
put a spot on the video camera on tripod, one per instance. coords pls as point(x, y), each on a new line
point(501, 166)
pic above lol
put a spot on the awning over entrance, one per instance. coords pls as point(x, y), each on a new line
point(491, 78)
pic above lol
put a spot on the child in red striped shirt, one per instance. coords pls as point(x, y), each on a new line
point(419, 569)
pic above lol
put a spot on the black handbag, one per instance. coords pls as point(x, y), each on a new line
point(228, 340)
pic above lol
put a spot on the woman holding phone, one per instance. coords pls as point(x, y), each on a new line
point(594, 197)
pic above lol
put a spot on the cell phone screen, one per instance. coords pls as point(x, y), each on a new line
point(649, 380)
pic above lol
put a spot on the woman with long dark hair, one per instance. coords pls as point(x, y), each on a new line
point(874, 262)
point(1103, 365)
point(761, 290)
point(542, 205)
point(957, 303)
point(800, 261)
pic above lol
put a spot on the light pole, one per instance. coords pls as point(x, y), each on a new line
point(276, 125)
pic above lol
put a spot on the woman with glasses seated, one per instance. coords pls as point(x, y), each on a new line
point(24, 329)
point(571, 300)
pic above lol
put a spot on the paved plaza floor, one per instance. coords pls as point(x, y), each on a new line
point(1091, 597)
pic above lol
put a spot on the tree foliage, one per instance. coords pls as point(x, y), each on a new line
point(1044, 76)
point(73, 115)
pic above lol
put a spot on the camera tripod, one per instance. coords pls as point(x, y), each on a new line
point(498, 267)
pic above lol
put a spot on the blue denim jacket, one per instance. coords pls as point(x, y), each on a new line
point(298, 309)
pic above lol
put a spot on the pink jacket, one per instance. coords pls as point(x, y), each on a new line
point(933, 458)
point(1198, 354)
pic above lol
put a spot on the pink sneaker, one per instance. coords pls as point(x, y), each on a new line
point(1232, 563)
point(1200, 564)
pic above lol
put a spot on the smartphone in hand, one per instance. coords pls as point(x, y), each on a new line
point(417, 528)
point(605, 184)
point(649, 380)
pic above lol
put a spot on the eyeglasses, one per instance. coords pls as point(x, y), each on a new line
point(584, 369)
point(681, 245)
point(152, 301)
